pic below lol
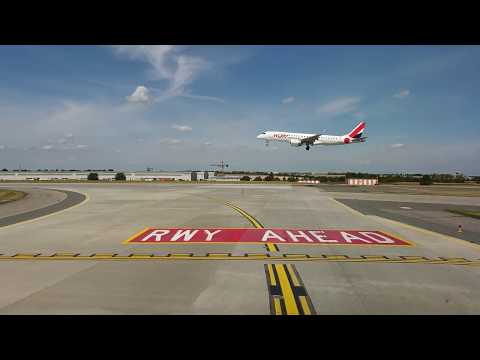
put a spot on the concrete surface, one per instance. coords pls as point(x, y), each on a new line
point(428, 216)
point(115, 212)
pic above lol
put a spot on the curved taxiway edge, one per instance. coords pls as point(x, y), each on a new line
point(72, 199)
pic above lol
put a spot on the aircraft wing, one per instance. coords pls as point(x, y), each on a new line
point(310, 140)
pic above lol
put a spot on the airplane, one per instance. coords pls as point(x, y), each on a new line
point(300, 139)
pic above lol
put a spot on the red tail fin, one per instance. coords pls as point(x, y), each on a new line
point(357, 131)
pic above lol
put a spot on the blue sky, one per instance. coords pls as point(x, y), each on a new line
point(182, 107)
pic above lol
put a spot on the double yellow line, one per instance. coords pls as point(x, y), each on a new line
point(288, 295)
point(254, 222)
point(250, 218)
point(403, 259)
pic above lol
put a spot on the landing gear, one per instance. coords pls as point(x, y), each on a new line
point(308, 147)
point(266, 143)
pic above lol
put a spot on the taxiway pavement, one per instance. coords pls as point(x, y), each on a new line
point(427, 278)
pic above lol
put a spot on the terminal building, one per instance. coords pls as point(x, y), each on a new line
point(107, 175)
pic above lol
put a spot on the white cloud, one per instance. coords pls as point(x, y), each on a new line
point(158, 56)
point(396, 146)
point(33, 125)
point(202, 97)
point(140, 95)
point(288, 100)
point(181, 127)
point(65, 139)
point(167, 64)
point(187, 69)
point(61, 147)
point(402, 94)
point(339, 106)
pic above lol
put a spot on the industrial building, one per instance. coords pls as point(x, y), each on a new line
point(368, 182)
point(106, 175)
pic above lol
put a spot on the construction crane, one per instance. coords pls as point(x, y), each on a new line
point(222, 165)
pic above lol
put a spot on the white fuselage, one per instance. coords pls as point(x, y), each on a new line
point(294, 137)
point(307, 140)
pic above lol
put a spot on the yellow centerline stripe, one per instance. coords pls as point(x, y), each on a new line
point(247, 215)
point(287, 291)
point(140, 256)
point(271, 247)
point(305, 306)
point(244, 256)
point(271, 275)
point(293, 276)
point(277, 307)
point(241, 211)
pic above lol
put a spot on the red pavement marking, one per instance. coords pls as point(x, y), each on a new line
point(264, 236)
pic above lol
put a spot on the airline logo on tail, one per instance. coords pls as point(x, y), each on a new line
point(358, 131)
point(308, 140)
point(356, 134)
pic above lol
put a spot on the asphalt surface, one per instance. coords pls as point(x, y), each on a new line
point(36, 198)
point(428, 216)
point(43, 205)
point(40, 272)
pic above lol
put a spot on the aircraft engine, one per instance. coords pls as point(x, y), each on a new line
point(295, 142)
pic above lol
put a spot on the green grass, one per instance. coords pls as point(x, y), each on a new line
point(10, 195)
point(472, 214)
